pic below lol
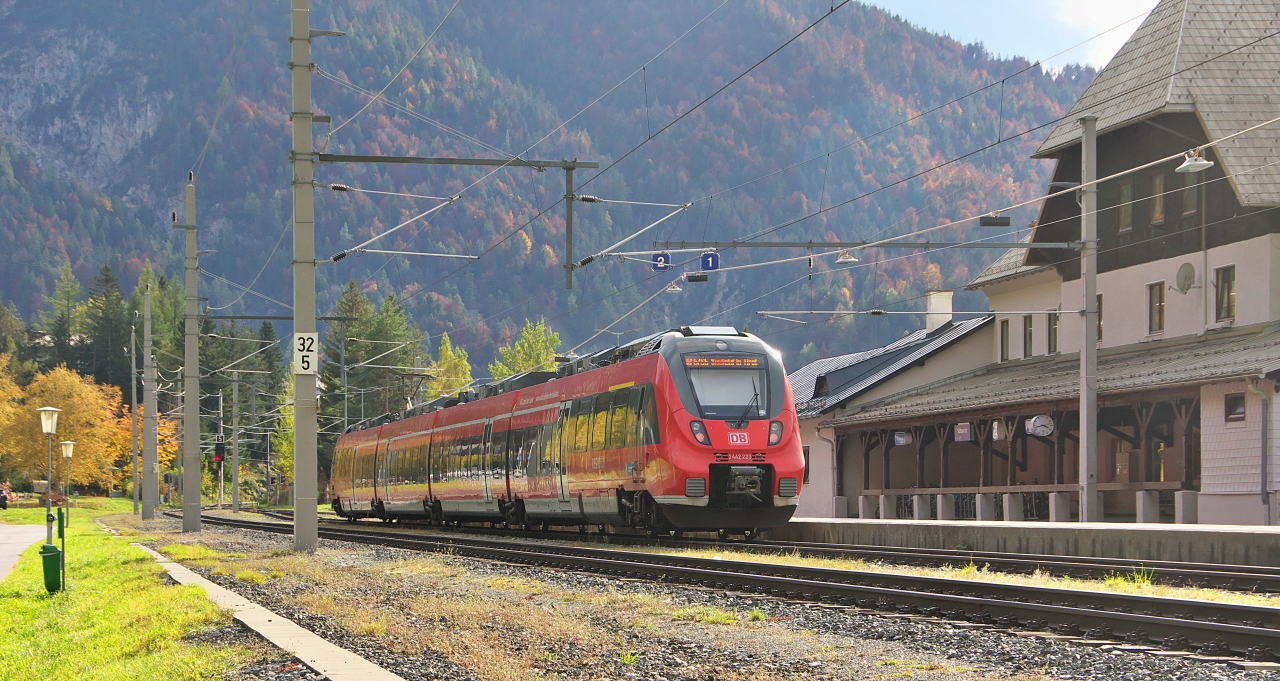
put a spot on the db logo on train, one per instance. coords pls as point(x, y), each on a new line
point(739, 438)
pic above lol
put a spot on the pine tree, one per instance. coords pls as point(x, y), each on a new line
point(107, 328)
point(63, 320)
point(535, 350)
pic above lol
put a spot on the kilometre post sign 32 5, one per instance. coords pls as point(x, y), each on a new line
point(305, 354)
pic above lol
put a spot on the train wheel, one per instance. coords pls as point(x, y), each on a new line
point(722, 535)
point(545, 526)
point(751, 534)
point(582, 529)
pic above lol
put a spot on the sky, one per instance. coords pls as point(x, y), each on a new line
point(1035, 29)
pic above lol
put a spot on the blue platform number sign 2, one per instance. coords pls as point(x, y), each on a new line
point(710, 261)
point(661, 262)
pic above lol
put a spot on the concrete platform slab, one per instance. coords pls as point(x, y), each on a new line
point(339, 664)
point(14, 539)
point(1230, 544)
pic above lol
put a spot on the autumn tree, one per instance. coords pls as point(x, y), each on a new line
point(451, 372)
point(91, 417)
point(535, 350)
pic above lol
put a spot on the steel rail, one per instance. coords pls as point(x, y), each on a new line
point(1107, 616)
point(1221, 576)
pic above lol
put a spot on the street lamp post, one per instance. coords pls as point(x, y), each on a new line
point(49, 425)
point(67, 445)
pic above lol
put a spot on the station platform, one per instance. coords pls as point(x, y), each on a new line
point(1229, 544)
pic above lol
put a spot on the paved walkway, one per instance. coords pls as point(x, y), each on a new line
point(339, 664)
point(14, 539)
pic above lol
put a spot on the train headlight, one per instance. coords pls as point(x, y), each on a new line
point(775, 432)
point(700, 432)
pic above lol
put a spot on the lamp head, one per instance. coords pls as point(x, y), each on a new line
point(67, 445)
point(1194, 163)
point(674, 288)
point(49, 419)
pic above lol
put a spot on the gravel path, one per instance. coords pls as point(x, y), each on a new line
point(427, 616)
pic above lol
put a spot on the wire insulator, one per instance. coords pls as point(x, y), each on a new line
point(586, 261)
point(875, 313)
point(340, 256)
point(587, 198)
point(340, 187)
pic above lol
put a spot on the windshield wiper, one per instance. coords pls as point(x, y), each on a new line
point(755, 399)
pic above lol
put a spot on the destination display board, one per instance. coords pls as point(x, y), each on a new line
point(712, 362)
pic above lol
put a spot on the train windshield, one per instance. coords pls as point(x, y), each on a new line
point(729, 387)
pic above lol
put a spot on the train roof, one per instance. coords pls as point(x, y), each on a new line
point(569, 366)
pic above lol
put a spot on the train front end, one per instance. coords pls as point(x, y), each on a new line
point(733, 459)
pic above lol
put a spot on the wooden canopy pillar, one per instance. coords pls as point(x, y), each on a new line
point(884, 473)
point(1143, 413)
point(946, 435)
point(984, 452)
point(1184, 412)
point(1011, 424)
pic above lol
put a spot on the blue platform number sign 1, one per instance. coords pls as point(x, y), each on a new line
point(661, 262)
point(710, 261)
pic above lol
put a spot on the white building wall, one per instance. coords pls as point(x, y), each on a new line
point(1034, 293)
point(817, 498)
point(1231, 456)
point(1124, 295)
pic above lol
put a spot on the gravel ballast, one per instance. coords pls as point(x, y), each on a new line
point(432, 616)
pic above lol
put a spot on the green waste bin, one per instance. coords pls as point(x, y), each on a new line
point(51, 557)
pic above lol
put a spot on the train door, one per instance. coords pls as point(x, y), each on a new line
point(486, 452)
point(635, 447)
point(385, 462)
point(561, 448)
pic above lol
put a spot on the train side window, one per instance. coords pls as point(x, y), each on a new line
point(474, 462)
point(582, 425)
point(649, 418)
point(619, 423)
point(498, 454)
point(633, 420)
point(516, 453)
point(600, 421)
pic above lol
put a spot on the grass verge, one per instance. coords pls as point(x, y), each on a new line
point(118, 619)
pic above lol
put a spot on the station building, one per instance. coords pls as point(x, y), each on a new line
point(1189, 301)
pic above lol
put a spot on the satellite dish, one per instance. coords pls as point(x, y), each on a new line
point(1186, 278)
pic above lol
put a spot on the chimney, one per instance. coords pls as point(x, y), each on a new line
point(938, 310)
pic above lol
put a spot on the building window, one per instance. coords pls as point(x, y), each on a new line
point(1126, 204)
point(1052, 331)
point(1004, 340)
point(1157, 196)
point(1155, 307)
point(806, 465)
point(1099, 317)
point(1190, 193)
point(1224, 279)
point(1027, 336)
point(1233, 408)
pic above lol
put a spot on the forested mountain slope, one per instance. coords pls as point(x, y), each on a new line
point(105, 106)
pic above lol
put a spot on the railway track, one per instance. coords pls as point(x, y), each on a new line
point(1143, 622)
point(1226, 577)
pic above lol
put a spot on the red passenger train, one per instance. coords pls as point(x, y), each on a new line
point(692, 429)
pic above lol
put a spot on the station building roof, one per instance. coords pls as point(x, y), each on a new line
point(825, 384)
point(1180, 362)
point(1181, 59)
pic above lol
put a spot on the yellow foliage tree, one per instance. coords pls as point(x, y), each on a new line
point(90, 417)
